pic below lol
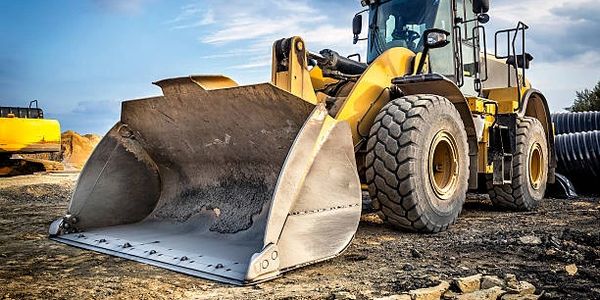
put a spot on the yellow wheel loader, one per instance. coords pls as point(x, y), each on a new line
point(23, 130)
point(242, 183)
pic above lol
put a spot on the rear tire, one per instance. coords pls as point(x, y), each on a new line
point(530, 169)
point(417, 163)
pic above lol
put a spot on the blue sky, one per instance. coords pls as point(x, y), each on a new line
point(81, 58)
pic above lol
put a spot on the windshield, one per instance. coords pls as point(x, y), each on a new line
point(400, 23)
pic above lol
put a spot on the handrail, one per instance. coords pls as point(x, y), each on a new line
point(458, 56)
point(32, 102)
point(477, 30)
point(512, 52)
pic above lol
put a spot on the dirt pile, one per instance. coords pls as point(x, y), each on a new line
point(76, 149)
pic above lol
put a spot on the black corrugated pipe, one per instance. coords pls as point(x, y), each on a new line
point(576, 122)
point(579, 154)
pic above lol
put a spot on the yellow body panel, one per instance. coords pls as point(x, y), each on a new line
point(507, 97)
point(296, 79)
point(20, 135)
point(487, 109)
point(213, 82)
point(475, 105)
point(371, 91)
point(318, 81)
point(484, 165)
point(482, 106)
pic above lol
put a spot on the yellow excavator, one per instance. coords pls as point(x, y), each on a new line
point(23, 130)
point(242, 183)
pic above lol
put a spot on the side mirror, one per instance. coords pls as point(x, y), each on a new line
point(483, 18)
point(357, 23)
point(436, 38)
point(481, 6)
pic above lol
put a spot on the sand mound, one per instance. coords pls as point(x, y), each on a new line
point(76, 149)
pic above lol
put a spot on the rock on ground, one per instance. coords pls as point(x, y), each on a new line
point(530, 240)
point(468, 284)
point(431, 293)
point(571, 269)
point(487, 294)
point(523, 288)
point(491, 281)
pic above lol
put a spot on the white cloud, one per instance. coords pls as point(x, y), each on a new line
point(559, 29)
point(250, 30)
point(539, 12)
point(250, 27)
point(299, 7)
point(260, 62)
point(193, 15)
point(232, 53)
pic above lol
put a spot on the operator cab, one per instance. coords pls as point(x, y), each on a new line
point(402, 23)
point(31, 112)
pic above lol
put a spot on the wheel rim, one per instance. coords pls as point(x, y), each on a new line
point(443, 165)
point(536, 158)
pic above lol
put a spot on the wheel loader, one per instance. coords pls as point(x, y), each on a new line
point(240, 184)
point(23, 130)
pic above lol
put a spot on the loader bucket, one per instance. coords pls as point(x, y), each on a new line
point(236, 185)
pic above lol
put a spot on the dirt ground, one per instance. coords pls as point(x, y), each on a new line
point(380, 261)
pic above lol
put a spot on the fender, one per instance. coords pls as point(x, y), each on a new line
point(535, 105)
point(372, 91)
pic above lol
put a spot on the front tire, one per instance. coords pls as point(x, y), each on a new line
point(530, 169)
point(417, 163)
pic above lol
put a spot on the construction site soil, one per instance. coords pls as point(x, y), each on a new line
point(535, 246)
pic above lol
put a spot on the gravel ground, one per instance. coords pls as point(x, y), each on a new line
point(381, 261)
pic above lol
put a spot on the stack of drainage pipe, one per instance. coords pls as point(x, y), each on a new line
point(567, 122)
point(577, 146)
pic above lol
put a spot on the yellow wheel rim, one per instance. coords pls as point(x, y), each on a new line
point(536, 158)
point(443, 165)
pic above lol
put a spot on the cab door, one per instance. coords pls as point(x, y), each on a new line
point(464, 11)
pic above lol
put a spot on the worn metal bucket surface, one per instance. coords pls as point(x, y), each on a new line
point(236, 185)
